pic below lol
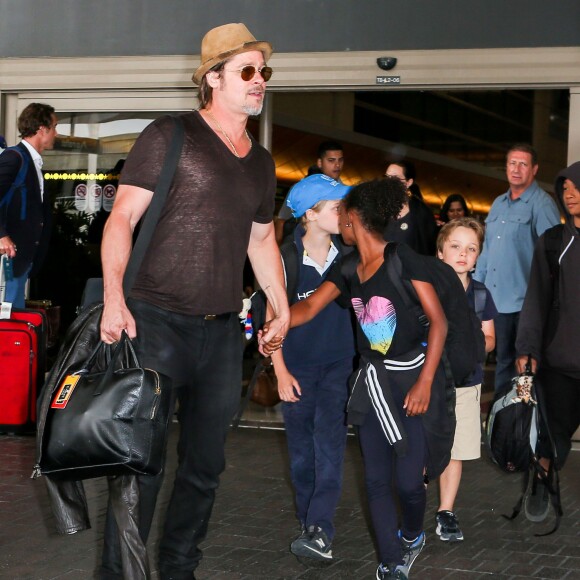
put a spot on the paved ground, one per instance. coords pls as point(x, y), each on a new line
point(253, 523)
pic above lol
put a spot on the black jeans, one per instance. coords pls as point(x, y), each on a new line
point(203, 358)
point(506, 330)
point(560, 396)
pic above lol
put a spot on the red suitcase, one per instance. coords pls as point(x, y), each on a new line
point(22, 360)
point(38, 319)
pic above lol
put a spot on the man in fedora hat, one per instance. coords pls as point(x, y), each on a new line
point(183, 308)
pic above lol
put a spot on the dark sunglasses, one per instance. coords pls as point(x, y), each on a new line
point(247, 73)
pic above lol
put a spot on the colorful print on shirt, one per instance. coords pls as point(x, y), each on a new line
point(378, 321)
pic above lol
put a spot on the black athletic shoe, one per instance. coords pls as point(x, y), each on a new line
point(448, 527)
point(313, 544)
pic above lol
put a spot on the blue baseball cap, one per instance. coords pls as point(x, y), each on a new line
point(312, 189)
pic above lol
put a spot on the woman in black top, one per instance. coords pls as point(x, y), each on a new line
point(415, 224)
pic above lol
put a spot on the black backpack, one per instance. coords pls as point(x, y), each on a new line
point(465, 342)
point(512, 429)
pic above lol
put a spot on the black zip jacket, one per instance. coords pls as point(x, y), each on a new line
point(549, 327)
point(67, 498)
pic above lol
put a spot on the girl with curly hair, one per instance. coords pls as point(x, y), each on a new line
point(397, 400)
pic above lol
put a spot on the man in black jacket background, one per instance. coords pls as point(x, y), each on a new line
point(25, 212)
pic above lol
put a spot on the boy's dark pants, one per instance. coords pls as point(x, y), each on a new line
point(316, 434)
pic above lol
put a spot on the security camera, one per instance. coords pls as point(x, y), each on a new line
point(387, 62)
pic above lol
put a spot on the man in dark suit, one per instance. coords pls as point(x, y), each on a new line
point(25, 213)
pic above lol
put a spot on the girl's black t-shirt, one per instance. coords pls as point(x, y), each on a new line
point(385, 327)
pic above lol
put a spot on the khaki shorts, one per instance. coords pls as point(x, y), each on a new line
point(467, 442)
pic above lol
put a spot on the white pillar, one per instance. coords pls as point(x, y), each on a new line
point(574, 130)
point(266, 123)
point(10, 106)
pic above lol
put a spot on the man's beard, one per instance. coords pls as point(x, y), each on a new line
point(254, 110)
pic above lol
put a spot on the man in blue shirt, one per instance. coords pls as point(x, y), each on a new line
point(515, 221)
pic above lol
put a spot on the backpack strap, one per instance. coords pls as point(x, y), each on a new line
point(289, 253)
point(170, 163)
point(18, 183)
point(480, 298)
point(395, 271)
point(348, 267)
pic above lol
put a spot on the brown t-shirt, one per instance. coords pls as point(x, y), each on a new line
point(194, 263)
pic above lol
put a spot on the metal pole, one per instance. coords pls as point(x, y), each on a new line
point(266, 123)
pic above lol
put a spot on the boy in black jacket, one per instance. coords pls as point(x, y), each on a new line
point(549, 330)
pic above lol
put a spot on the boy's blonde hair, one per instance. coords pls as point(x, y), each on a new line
point(464, 222)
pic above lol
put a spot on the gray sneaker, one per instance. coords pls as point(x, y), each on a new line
point(314, 543)
point(537, 501)
point(448, 527)
point(411, 549)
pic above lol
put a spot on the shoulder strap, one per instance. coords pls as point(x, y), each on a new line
point(290, 256)
point(348, 267)
point(17, 183)
point(395, 271)
point(157, 203)
point(480, 298)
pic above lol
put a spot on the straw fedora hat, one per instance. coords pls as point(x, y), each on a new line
point(224, 42)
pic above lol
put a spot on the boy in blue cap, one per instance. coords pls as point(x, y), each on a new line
point(314, 369)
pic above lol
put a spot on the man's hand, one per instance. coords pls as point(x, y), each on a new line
point(116, 318)
point(418, 397)
point(522, 361)
point(7, 247)
point(272, 335)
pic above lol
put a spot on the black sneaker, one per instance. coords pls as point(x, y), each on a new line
point(385, 571)
point(448, 527)
point(303, 534)
point(313, 544)
point(411, 549)
point(537, 501)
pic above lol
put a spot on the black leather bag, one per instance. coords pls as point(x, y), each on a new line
point(107, 422)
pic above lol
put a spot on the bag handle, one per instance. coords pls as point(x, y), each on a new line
point(123, 347)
